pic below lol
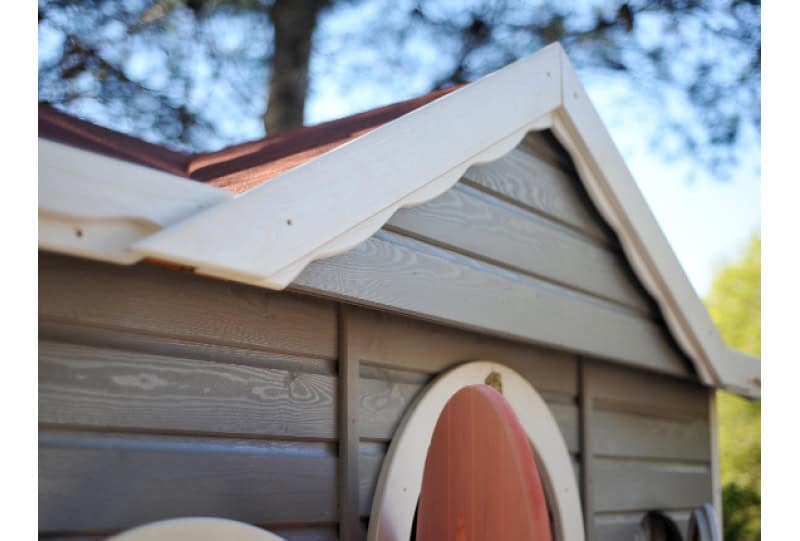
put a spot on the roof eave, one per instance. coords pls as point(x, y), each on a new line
point(326, 206)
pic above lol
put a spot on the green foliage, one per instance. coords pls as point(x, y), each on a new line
point(735, 306)
point(742, 507)
point(735, 301)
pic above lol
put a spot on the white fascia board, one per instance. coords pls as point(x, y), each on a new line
point(326, 206)
point(97, 207)
point(614, 192)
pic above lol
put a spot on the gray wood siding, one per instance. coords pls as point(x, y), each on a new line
point(649, 448)
point(385, 400)
point(525, 179)
point(157, 301)
point(399, 356)
point(572, 261)
point(107, 482)
point(98, 387)
point(163, 394)
point(514, 250)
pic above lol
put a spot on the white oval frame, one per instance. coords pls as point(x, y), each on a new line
point(400, 478)
point(196, 529)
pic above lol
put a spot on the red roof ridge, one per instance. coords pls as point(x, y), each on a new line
point(238, 167)
point(71, 130)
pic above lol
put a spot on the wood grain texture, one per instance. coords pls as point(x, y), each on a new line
point(163, 302)
point(477, 225)
point(165, 346)
point(349, 428)
point(382, 406)
point(524, 179)
point(410, 277)
point(636, 391)
point(99, 387)
point(270, 233)
point(586, 420)
point(623, 526)
point(417, 347)
point(634, 485)
point(113, 202)
point(368, 370)
point(384, 402)
point(544, 145)
point(629, 435)
point(370, 461)
point(647, 447)
point(91, 482)
point(578, 126)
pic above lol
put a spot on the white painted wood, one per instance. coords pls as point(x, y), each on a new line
point(108, 209)
point(196, 529)
point(613, 190)
point(703, 525)
point(400, 480)
point(96, 206)
point(330, 204)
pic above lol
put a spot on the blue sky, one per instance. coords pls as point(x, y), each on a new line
point(708, 221)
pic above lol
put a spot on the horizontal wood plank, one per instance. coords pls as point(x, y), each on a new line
point(91, 482)
point(417, 347)
point(639, 436)
point(634, 485)
point(480, 226)
point(166, 302)
point(620, 389)
point(416, 279)
point(384, 402)
point(165, 346)
point(529, 181)
point(544, 145)
point(624, 526)
point(566, 416)
point(98, 387)
point(382, 406)
point(370, 460)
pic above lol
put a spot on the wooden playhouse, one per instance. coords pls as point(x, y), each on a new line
point(269, 333)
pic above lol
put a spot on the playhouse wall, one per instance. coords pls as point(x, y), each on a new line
point(163, 393)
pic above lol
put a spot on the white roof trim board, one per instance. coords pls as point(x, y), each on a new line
point(326, 206)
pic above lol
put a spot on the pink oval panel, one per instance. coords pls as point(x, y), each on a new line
point(480, 480)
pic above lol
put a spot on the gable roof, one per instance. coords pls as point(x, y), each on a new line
point(57, 126)
point(235, 168)
point(316, 208)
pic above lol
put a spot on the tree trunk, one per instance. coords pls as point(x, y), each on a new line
point(294, 22)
